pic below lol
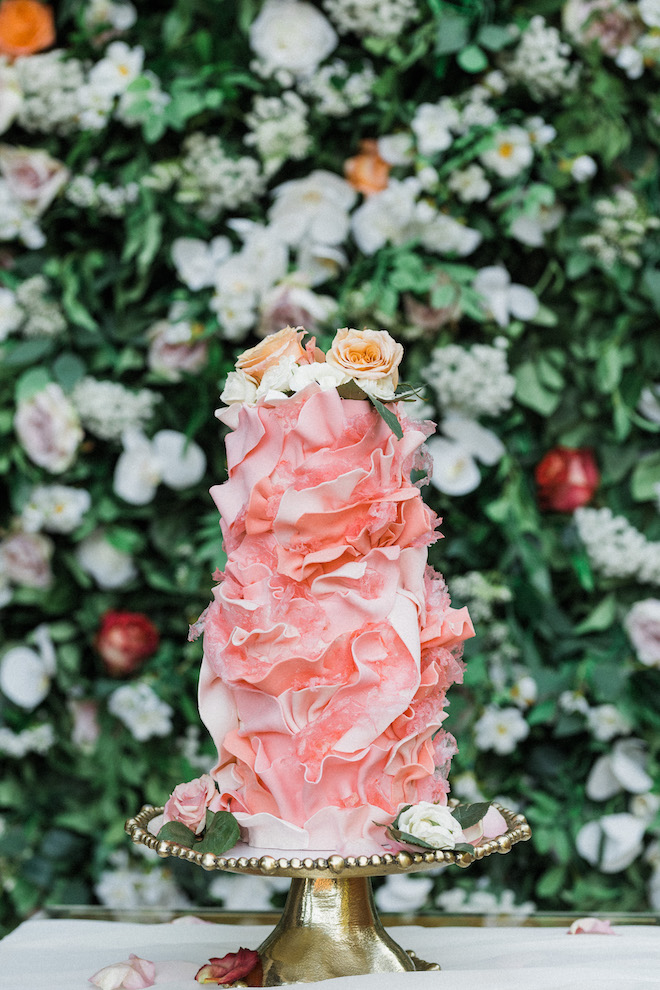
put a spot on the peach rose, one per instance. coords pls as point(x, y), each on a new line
point(367, 172)
point(366, 355)
point(26, 26)
point(188, 803)
point(256, 361)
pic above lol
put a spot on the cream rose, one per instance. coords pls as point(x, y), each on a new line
point(366, 355)
point(433, 823)
point(48, 429)
point(33, 176)
point(256, 361)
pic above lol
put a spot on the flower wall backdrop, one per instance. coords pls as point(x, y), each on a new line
point(180, 178)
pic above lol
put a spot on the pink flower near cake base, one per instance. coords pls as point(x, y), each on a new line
point(642, 624)
point(188, 802)
point(48, 429)
point(256, 361)
point(132, 974)
point(124, 640)
point(591, 926)
point(366, 355)
point(233, 966)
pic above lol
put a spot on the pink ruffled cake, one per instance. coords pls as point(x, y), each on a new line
point(330, 643)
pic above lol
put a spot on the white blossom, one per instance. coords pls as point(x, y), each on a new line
point(292, 36)
point(542, 62)
point(503, 298)
point(455, 471)
point(197, 262)
point(11, 314)
point(606, 721)
point(278, 129)
point(213, 181)
point(141, 710)
point(336, 90)
point(432, 126)
point(470, 184)
point(472, 381)
point(510, 154)
point(373, 18)
point(110, 567)
point(500, 729)
point(583, 167)
point(612, 842)
point(32, 740)
point(622, 769)
point(119, 14)
point(108, 408)
point(26, 673)
point(11, 95)
point(433, 823)
point(55, 508)
point(615, 548)
point(314, 208)
point(169, 458)
point(119, 67)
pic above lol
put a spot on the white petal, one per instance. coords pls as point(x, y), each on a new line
point(137, 475)
point(628, 759)
point(522, 302)
point(454, 470)
point(601, 782)
point(23, 677)
point(182, 461)
point(623, 841)
point(476, 439)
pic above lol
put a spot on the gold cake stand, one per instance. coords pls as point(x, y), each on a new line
point(329, 926)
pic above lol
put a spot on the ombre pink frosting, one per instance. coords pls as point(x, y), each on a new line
point(330, 643)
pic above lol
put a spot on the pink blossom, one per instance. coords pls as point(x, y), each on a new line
point(176, 348)
point(133, 974)
point(25, 559)
point(188, 802)
point(33, 176)
point(86, 728)
point(591, 926)
point(48, 428)
point(643, 626)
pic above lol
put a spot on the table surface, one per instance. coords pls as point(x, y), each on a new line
point(62, 953)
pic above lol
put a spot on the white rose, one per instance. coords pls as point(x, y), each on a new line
point(49, 429)
point(325, 375)
point(25, 673)
point(433, 823)
point(382, 388)
point(277, 378)
point(239, 388)
point(293, 36)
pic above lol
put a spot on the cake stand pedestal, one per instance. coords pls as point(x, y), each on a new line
point(329, 926)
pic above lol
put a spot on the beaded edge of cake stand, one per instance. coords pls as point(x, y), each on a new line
point(378, 864)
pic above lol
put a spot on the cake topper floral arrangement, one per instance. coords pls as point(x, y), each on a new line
point(361, 364)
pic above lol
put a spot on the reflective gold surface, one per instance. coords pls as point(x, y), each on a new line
point(330, 926)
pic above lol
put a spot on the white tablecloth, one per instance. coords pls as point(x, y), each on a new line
point(63, 954)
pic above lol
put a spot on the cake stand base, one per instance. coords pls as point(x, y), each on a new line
point(329, 928)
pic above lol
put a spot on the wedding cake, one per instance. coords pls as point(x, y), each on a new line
point(330, 642)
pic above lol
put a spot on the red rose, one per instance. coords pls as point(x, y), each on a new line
point(566, 478)
point(124, 640)
point(233, 966)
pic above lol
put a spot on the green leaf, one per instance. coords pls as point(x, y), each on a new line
point(28, 351)
point(472, 59)
point(410, 840)
point(646, 478)
point(220, 835)
point(387, 415)
point(494, 37)
point(68, 369)
point(601, 618)
point(351, 390)
point(469, 814)
point(532, 392)
point(453, 34)
point(179, 833)
point(31, 382)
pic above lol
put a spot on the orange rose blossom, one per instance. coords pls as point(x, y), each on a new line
point(26, 27)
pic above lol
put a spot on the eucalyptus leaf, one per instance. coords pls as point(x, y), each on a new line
point(470, 814)
point(388, 416)
point(220, 835)
point(179, 833)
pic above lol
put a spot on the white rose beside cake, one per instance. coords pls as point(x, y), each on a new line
point(330, 643)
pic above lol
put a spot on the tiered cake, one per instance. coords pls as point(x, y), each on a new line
point(330, 643)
